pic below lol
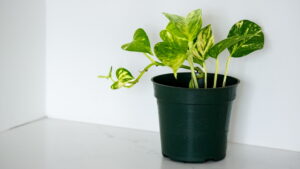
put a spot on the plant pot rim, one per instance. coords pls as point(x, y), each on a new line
point(153, 79)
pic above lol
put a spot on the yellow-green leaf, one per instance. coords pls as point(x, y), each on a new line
point(175, 31)
point(169, 37)
point(186, 27)
point(169, 55)
point(194, 23)
point(140, 42)
point(177, 24)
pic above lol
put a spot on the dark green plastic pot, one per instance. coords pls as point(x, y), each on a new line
point(193, 122)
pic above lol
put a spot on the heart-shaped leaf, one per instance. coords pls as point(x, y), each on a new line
point(170, 55)
point(205, 40)
point(140, 42)
point(250, 44)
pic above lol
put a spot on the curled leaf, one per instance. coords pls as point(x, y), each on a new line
point(124, 75)
point(124, 78)
point(205, 40)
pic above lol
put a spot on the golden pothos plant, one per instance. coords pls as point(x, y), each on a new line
point(184, 39)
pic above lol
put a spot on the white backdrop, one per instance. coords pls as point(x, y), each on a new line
point(84, 39)
point(22, 61)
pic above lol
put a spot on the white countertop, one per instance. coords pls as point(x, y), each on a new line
point(59, 144)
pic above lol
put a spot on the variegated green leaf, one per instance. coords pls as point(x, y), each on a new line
point(178, 42)
point(140, 42)
point(205, 40)
point(222, 45)
point(178, 24)
point(167, 36)
point(250, 44)
point(194, 23)
point(186, 27)
point(175, 31)
point(169, 55)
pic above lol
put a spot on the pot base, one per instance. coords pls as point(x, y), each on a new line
point(203, 160)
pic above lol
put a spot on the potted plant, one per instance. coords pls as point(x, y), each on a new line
point(194, 107)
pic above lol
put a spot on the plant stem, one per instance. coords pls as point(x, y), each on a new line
point(226, 70)
point(205, 75)
point(155, 63)
point(149, 57)
point(142, 73)
point(190, 60)
point(216, 73)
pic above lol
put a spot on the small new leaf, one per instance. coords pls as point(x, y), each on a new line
point(140, 42)
point(250, 44)
point(124, 78)
point(124, 75)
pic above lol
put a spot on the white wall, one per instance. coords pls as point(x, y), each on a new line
point(84, 39)
point(22, 61)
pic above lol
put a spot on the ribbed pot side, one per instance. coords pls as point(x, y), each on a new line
point(193, 122)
